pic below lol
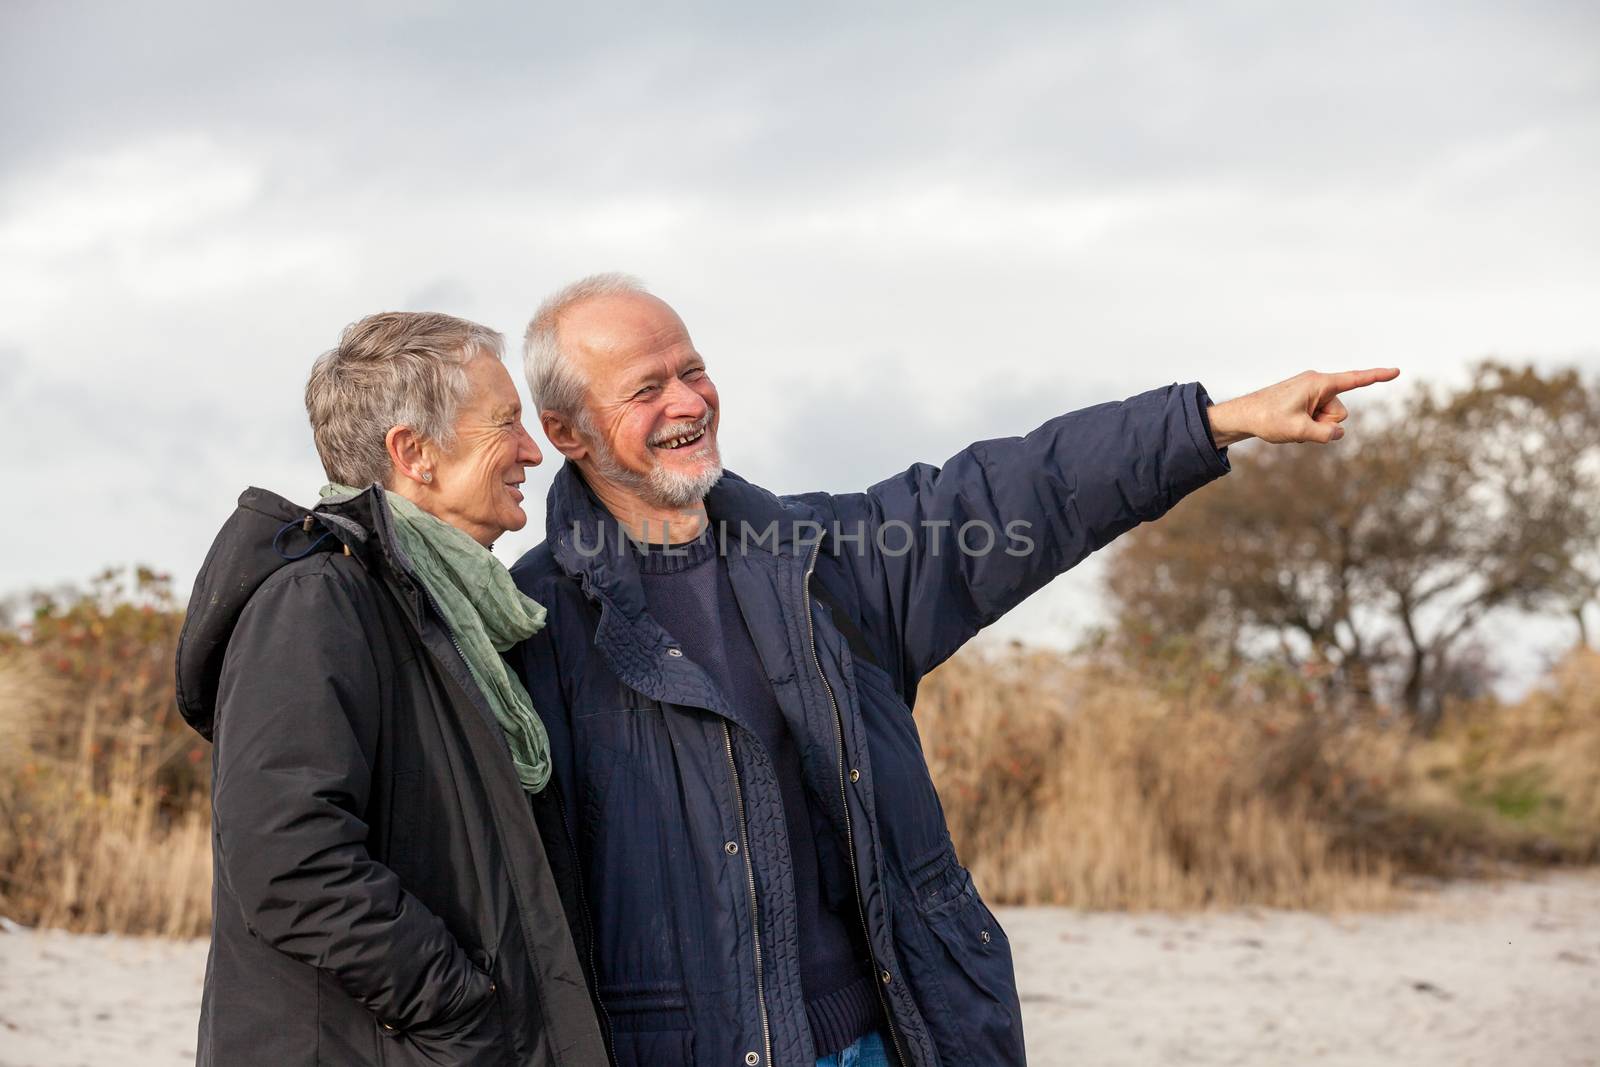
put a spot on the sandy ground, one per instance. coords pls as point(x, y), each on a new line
point(1505, 974)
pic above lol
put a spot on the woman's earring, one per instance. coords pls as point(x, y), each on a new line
point(427, 476)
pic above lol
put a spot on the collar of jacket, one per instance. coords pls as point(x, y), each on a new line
point(362, 521)
point(636, 646)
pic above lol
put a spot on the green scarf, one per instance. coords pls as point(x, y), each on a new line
point(487, 613)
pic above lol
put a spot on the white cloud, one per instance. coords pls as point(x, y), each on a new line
point(921, 226)
point(130, 193)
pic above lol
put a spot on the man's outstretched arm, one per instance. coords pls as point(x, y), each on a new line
point(1069, 487)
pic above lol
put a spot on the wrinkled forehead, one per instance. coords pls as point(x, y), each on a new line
point(622, 336)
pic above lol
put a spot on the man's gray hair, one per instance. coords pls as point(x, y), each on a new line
point(554, 382)
point(395, 368)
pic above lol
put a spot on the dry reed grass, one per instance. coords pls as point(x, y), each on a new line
point(104, 824)
point(1523, 777)
point(1063, 782)
point(1067, 786)
point(97, 852)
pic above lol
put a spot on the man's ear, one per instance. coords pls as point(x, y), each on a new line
point(409, 457)
point(564, 436)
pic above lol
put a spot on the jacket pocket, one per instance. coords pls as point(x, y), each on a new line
point(962, 964)
point(473, 1040)
point(653, 1048)
point(476, 1037)
point(650, 1029)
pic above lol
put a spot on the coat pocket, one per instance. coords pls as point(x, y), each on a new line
point(966, 960)
point(650, 1028)
point(476, 1040)
point(654, 1048)
point(478, 1037)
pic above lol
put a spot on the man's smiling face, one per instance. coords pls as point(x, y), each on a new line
point(650, 410)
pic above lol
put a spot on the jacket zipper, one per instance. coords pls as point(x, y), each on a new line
point(750, 875)
point(844, 798)
point(445, 626)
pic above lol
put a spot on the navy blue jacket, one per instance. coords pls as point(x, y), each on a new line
point(687, 921)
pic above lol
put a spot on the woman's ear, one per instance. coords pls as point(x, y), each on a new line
point(563, 434)
point(410, 459)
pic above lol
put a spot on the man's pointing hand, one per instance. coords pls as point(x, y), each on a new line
point(1305, 408)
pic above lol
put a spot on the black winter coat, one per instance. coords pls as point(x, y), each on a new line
point(382, 892)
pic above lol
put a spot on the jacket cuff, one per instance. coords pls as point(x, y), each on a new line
point(1197, 461)
point(1197, 419)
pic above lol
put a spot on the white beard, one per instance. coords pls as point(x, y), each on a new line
point(661, 488)
point(671, 489)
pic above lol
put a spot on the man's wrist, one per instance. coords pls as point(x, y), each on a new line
point(1223, 419)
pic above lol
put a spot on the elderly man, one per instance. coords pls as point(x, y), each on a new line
point(768, 878)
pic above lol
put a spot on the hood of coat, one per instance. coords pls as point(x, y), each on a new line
point(264, 534)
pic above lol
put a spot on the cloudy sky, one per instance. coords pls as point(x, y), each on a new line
point(891, 232)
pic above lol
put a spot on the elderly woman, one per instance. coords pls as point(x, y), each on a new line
point(385, 851)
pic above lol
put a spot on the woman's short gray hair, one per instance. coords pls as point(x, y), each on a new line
point(553, 381)
point(395, 368)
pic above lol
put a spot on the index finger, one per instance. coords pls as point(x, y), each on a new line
point(1357, 379)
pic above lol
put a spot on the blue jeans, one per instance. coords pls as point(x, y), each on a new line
point(866, 1052)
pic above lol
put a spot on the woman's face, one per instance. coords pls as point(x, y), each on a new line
point(477, 484)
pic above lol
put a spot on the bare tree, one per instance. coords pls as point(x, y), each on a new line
point(1369, 569)
point(1536, 457)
